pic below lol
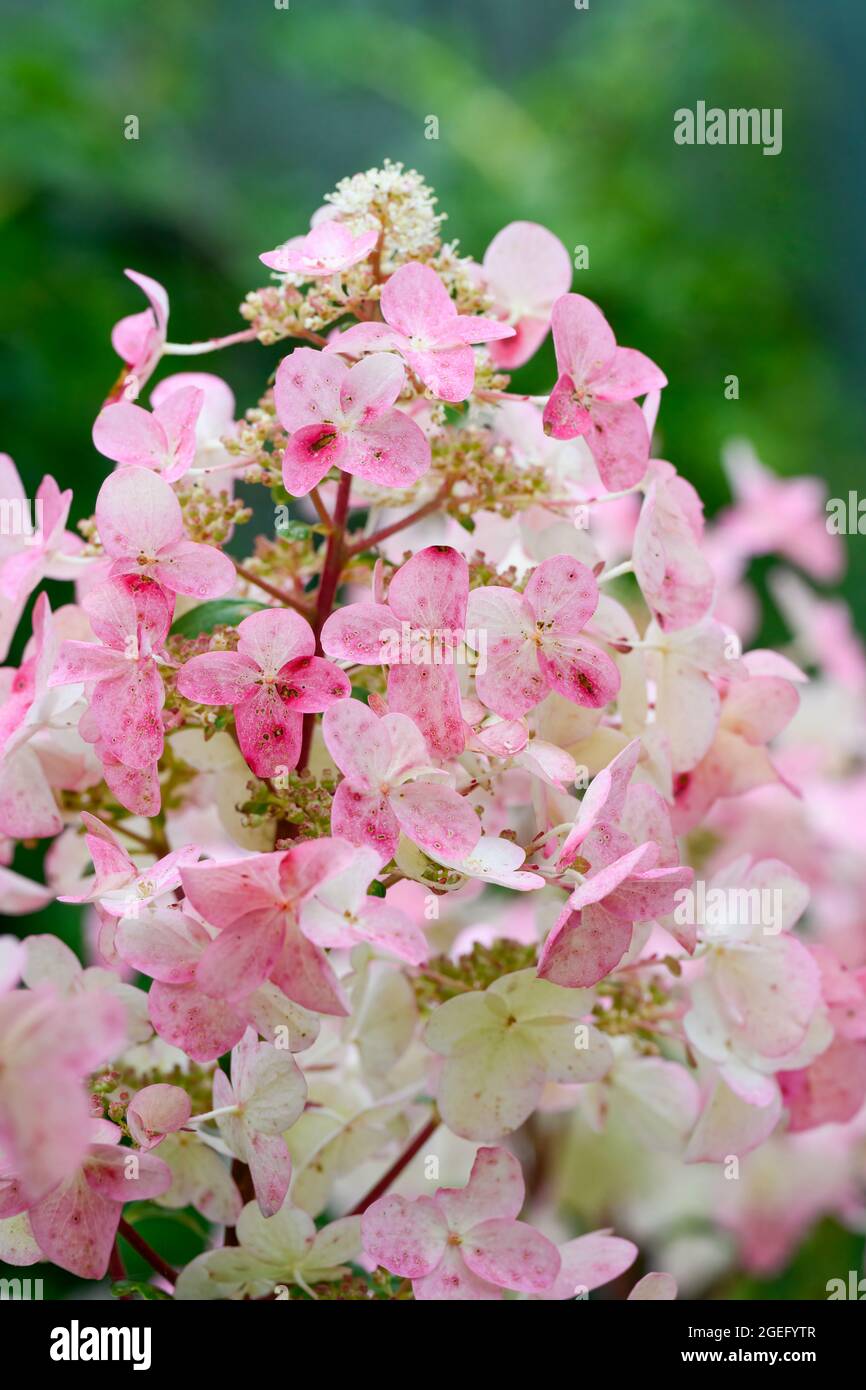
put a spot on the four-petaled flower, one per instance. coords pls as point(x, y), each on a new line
point(464, 1243)
point(271, 681)
point(345, 417)
point(423, 325)
point(594, 393)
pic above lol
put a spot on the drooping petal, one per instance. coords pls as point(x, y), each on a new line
point(269, 731)
point(619, 442)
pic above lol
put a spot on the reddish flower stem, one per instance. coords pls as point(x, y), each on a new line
point(272, 589)
point(141, 1247)
point(397, 1167)
point(335, 555)
point(418, 515)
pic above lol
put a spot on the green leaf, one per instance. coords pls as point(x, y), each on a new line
point(376, 889)
point(359, 693)
point(144, 1290)
point(216, 613)
point(294, 530)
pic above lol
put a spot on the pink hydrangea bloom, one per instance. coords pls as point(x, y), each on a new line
point(389, 786)
point(156, 1111)
point(167, 944)
point(140, 338)
point(526, 270)
point(255, 906)
point(49, 1044)
point(75, 1224)
point(131, 617)
point(423, 325)
point(164, 440)
point(594, 393)
point(38, 548)
point(344, 416)
point(325, 250)
point(141, 528)
point(534, 641)
point(341, 913)
point(271, 681)
point(463, 1243)
point(415, 633)
point(675, 577)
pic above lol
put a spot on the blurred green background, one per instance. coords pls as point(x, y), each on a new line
point(713, 260)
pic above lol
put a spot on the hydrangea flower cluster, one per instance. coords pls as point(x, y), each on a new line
point(448, 831)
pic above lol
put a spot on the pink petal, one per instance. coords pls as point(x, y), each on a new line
point(224, 893)
point(432, 589)
point(307, 389)
point(565, 415)
point(310, 684)
point(436, 818)
point(582, 337)
point(619, 442)
point(240, 959)
point(390, 929)
point(408, 1238)
point(202, 1027)
point(303, 974)
point(129, 611)
point(269, 731)
point(448, 372)
point(364, 818)
point(164, 944)
point(370, 388)
point(108, 1171)
point(156, 1111)
point(128, 710)
point(75, 1228)
point(563, 596)
point(217, 678)
point(130, 435)
point(590, 1261)
point(270, 1169)
point(137, 514)
point(430, 697)
point(512, 1255)
point(273, 637)
point(188, 567)
point(579, 671)
point(453, 1280)
point(310, 453)
point(81, 662)
point(584, 947)
point(495, 1190)
point(631, 374)
point(178, 414)
point(359, 743)
point(392, 451)
point(415, 301)
point(360, 632)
